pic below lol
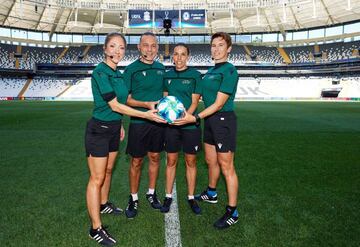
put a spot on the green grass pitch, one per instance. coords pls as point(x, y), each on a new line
point(298, 165)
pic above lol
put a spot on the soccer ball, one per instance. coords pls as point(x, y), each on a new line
point(170, 108)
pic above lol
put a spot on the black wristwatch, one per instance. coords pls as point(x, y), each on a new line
point(198, 119)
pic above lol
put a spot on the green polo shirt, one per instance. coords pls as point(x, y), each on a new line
point(182, 84)
point(145, 83)
point(223, 77)
point(107, 84)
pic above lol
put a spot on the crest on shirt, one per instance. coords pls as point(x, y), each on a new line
point(144, 73)
point(159, 72)
point(186, 82)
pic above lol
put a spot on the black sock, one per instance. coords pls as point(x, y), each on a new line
point(232, 209)
point(211, 189)
point(93, 230)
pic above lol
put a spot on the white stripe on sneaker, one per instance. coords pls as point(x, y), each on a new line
point(112, 239)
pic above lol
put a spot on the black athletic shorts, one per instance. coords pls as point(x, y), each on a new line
point(145, 137)
point(187, 139)
point(102, 137)
point(220, 130)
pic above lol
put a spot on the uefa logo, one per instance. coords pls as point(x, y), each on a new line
point(186, 16)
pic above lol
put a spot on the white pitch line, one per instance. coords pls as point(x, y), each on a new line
point(172, 223)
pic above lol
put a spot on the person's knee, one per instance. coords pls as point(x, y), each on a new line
point(136, 163)
point(208, 159)
point(190, 162)
point(97, 180)
point(109, 171)
point(171, 163)
point(154, 158)
point(211, 161)
point(227, 167)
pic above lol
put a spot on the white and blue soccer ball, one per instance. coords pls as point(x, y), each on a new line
point(170, 108)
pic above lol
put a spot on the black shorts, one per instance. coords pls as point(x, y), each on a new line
point(220, 130)
point(187, 139)
point(102, 137)
point(145, 137)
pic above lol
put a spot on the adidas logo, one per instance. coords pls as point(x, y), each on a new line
point(231, 221)
point(106, 210)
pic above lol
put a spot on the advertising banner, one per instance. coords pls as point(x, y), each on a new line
point(140, 18)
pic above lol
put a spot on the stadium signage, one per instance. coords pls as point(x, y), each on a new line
point(140, 18)
point(155, 18)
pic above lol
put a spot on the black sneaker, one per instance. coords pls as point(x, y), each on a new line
point(131, 209)
point(227, 220)
point(102, 236)
point(204, 196)
point(194, 206)
point(166, 205)
point(154, 202)
point(110, 208)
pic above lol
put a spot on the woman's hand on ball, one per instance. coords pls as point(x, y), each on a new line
point(187, 118)
point(153, 116)
point(151, 104)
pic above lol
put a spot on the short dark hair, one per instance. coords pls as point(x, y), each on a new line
point(109, 36)
point(223, 35)
point(148, 34)
point(184, 45)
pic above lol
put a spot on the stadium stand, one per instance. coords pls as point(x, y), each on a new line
point(265, 54)
point(11, 87)
point(5, 59)
point(33, 55)
point(72, 55)
point(95, 55)
point(339, 51)
point(249, 88)
point(46, 87)
point(300, 54)
point(294, 88)
point(200, 54)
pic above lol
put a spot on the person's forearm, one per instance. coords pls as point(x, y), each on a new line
point(136, 103)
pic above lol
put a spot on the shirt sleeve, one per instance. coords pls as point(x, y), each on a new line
point(229, 82)
point(104, 85)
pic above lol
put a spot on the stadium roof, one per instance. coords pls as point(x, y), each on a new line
point(235, 16)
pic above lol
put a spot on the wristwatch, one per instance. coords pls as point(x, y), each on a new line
point(197, 119)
